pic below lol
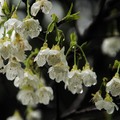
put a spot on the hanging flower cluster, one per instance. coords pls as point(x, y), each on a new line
point(106, 103)
point(31, 114)
point(25, 71)
point(32, 89)
point(77, 77)
point(13, 45)
point(112, 89)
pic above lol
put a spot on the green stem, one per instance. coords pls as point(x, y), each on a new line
point(118, 68)
point(83, 44)
point(18, 5)
point(28, 8)
point(4, 34)
point(57, 35)
point(75, 56)
point(27, 61)
point(83, 53)
point(46, 37)
point(68, 51)
point(103, 84)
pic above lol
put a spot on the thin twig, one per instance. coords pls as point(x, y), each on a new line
point(83, 111)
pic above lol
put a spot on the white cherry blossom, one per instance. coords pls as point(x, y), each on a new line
point(41, 58)
point(13, 69)
point(98, 100)
point(59, 72)
point(74, 82)
point(19, 46)
point(97, 97)
point(29, 27)
point(44, 5)
point(5, 47)
point(12, 23)
point(109, 106)
point(113, 86)
point(88, 77)
point(45, 94)
point(106, 103)
point(27, 96)
point(29, 79)
point(55, 55)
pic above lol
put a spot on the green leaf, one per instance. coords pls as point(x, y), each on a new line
point(116, 64)
point(54, 18)
point(60, 35)
point(2, 22)
point(70, 10)
point(5, 8)
point(73, 39)
point(72, 17)
point(50, 27)
point(10, 32)
point(13, 8)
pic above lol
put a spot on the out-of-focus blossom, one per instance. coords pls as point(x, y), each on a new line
point(111, 46)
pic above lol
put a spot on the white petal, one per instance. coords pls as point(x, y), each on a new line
point(45, 94)
point(27, 97)
point(113, 86)
point(12, 23)
point(35, 8)
point(46, 7)
point(29, 27)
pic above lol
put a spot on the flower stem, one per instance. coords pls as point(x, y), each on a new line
point(75, 56)
point(103, 84)
point(68, 51)
point(4, 34)
point(27, 61)
point(18, 5)
point(118, 68)
point(83, 53)
point(46, 37)
point(28, 8)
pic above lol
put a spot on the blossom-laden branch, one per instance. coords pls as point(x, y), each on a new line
point(25, 70)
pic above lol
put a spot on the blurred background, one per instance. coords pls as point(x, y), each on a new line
point(99, 19)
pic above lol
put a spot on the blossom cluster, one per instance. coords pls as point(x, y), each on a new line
point(59, 69)
point(13, 46)
point(106, 103)
point(31, 115)
point(32, 89)
point(14, 62)
point(112, 89)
